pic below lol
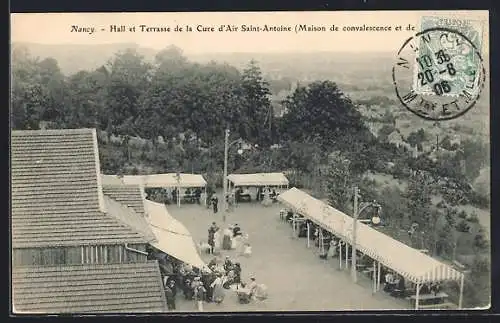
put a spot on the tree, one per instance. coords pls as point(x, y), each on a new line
point(385, 131)
point(129, 78)
point(322, 112)
point(418, 194)
point(340, 181)
point(416, 137)
point(257, 107)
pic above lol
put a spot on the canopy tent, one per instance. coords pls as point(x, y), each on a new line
point(259, 179)
point(160, 180)
point(410, 263)
point(168, 180)
point(172, 236)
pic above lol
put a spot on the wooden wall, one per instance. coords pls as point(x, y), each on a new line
point(78, 255)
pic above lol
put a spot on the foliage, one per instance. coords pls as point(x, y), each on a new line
point(340, 181)
point(416, 137)
point(418, 196)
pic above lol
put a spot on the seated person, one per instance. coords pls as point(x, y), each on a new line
point(425, 289)
point(289, 216)
point(303, 230)
point(435, 288)
point(399, 287)
point(273, 194)
point(389, 282)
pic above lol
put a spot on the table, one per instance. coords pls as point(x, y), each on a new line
point(428, 299)
point(243, 295)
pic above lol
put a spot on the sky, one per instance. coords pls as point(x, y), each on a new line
point(55, 28)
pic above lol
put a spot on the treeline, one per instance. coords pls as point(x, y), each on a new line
point(190, 104)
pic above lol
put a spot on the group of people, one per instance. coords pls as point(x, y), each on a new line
point(230, 238)
point(203, 286)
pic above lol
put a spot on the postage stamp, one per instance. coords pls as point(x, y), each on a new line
point(450, 57)
point(439, 72)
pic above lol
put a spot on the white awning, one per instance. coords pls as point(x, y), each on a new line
point(410, 263)
point(172, 236)
point(158, 180)
point(259, 179)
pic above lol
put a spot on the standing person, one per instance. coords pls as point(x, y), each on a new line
point(199, 294)
point(211, 237)
point(215, 204)
point(169, 295)
point(218, 290)
point(237, 273)
point(217, 241)
point(226, 240)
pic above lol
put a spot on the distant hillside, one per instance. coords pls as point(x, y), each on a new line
point(360, 75)
point(75, 58)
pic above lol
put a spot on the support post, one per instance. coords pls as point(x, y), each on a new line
point(224, 179)
point(354, 236)
point(340, 254)
point(374, 276)
point(346, 256)
point(461, 291)
point(416, 296)
point(178, 196)
point(308, 234)
point(293, 226)
point(379, 272)
point(321, 241)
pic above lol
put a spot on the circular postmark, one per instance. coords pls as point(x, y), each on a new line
point(438, 74)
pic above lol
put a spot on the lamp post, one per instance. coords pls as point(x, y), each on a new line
point(357, 211)
point(224, 180)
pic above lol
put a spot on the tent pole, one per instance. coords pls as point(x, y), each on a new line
point(378, 275)
point(178, 197)
point(293, 225)
point(340, 254)
point(461, 291)
point(320, 243)
point(308, 245)
point(416, 296)
point(374, 278)
point(346, 255)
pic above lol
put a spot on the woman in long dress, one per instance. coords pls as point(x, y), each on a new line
point(226, 242)
point(218, 290)
point(217, 241)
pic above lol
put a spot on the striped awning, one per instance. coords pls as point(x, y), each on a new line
point(158, 180)
point(408, 262)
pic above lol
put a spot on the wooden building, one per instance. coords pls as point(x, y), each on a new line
point(62, 222)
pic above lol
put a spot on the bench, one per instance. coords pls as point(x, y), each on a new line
point(440, 306)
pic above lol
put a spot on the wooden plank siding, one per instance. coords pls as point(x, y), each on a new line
point(98, 254)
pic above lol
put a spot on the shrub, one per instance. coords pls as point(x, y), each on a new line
point(462, 226)
point(473, 218)
point(462, 214)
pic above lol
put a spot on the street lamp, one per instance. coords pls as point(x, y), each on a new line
point(224, 180)
point(357, 211)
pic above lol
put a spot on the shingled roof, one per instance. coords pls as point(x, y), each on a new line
point(103, 288)
point(57, 198)
point(128, 195)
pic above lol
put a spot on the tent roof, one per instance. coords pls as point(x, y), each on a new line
point(158, 180)
point(172, 236)
point(259, 179)
point(411, 263)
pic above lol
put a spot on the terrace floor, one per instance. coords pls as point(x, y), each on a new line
point(297, 279)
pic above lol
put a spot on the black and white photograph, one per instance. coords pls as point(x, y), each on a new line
point(224, 162)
